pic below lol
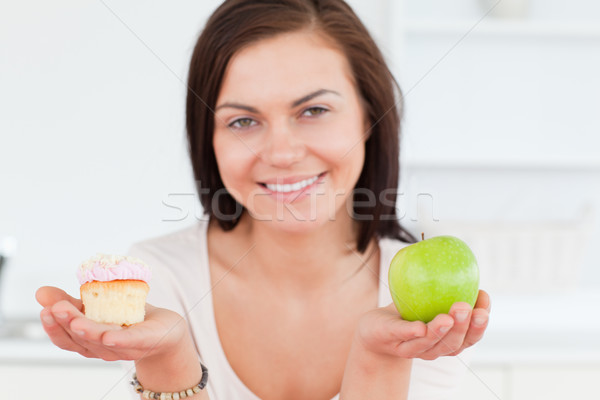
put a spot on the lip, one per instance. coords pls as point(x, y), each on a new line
point(292, 196)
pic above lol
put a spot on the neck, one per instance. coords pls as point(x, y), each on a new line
point(303, 262)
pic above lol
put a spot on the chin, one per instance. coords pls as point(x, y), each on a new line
point(298, 218)
point(296, 224)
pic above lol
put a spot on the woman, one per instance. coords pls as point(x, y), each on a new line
point(293, 133)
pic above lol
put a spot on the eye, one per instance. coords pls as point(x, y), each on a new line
point(242, 123)
point(314, 111)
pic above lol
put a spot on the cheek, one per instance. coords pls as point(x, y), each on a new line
point(233, 159)
point(343, 146)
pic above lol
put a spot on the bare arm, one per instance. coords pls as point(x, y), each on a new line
point(368, 376)
point(380, 359)
point(172, 372)
point(161, 346)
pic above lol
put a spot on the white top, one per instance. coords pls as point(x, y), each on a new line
point(181, 282)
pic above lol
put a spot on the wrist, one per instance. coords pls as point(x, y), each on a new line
point(372, 375)
point(374, 363)
point(172, 370)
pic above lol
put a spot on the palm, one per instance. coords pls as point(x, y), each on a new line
point(69, 329)
point(383, 331)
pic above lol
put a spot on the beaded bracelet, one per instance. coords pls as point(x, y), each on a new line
point(148, 394)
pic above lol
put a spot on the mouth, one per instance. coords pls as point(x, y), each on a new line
point(292, 187)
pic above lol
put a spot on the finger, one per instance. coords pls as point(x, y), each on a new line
point(454, 339)
point(89, 334)
point(483, 301)
point(436, 330)
point(48, 296)
point(81, 331)
point(158, 327)
point(402, 330)
point(63, 313)
point(58, 335)
point(479, 323)
point(134, 342)
point(90, 330)
point(160, 330)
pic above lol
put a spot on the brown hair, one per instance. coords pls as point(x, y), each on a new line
point(237, 23)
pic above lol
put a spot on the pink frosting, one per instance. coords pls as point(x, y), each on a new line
point(124, 269)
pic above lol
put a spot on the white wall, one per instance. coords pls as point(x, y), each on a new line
point(500, 119)
point(92, 131)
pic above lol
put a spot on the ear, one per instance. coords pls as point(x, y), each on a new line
point(368, 128)
point(368, 124)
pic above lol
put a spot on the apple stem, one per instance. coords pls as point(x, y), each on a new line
point(422, 235)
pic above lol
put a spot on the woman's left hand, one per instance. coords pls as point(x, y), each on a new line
point(382, 331)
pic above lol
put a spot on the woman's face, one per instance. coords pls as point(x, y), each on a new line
point(289, 131)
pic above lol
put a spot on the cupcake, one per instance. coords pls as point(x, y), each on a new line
point(114, 288)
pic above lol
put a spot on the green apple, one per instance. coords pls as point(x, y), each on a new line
point(427, 277)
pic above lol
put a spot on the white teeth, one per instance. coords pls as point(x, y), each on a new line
point(292, 187)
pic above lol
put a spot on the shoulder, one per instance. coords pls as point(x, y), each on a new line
point(171, 242)
point(173, 256)
point(176, 260)
point(388, 247)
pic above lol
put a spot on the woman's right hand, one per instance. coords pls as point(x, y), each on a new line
point(68, 328)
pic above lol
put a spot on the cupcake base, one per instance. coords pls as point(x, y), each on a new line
point(120, 302)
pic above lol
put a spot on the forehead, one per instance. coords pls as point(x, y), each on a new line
point(286, 65)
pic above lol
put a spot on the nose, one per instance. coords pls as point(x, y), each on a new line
point(282, 147)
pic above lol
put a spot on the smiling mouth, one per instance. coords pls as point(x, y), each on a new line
point(291, 187)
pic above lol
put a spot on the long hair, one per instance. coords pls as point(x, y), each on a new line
point(238, 23)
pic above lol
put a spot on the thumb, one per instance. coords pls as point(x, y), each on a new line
point(399, 329)
point(404, 330)
point(391, 308)
point(49, 295)
point(407, 330)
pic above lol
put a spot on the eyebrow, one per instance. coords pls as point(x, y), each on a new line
point(295, 103)
point(312, 95)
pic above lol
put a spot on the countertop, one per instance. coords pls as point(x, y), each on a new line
point(535, 329)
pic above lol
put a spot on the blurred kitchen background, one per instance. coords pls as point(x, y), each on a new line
point(501, 146)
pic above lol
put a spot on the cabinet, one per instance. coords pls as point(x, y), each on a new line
point(64, 381)
point(526, 382)
point(482, 382)
point(482, 91)
point(485, 383)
